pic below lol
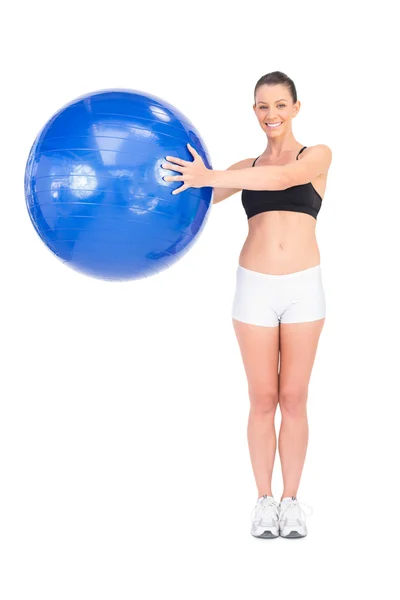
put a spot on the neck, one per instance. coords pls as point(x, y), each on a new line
point(281, 145)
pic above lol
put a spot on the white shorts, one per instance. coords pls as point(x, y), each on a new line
point(267, 300)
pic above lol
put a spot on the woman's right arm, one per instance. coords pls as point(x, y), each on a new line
point(223, 193)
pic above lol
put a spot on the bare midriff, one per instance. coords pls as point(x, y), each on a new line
point(280, 242)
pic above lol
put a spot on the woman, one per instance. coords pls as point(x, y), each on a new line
point(279, 303)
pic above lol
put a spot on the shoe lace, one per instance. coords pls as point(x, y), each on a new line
point(266, 505)
point(294, 504)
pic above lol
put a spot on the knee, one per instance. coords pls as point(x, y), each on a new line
point(263, 401)
point(293, 401)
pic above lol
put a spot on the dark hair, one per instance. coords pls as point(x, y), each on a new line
point(275, 78)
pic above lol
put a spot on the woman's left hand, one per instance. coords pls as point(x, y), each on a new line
point(194, 173)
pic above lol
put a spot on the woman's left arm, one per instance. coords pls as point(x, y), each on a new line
point(195, 174)
point(315, 162)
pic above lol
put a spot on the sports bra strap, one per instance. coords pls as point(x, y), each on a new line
point(303, 148)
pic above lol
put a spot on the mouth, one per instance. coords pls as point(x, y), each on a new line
point(274, 125)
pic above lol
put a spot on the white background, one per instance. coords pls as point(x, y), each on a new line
point(124, 465)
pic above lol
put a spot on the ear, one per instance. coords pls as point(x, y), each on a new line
point(297, 105)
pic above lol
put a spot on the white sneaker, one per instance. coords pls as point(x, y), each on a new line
point(292, 519)
point(265, 518)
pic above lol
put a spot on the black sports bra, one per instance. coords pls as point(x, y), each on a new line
point(298, 198)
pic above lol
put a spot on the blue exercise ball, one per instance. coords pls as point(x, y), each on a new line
point(94, 185)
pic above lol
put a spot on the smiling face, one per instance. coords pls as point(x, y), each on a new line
point(274, 105)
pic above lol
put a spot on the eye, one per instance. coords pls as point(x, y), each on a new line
point(283, 105)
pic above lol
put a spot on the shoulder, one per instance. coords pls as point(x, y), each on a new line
point(320, 149)
point(242, 164)
point(321, 153)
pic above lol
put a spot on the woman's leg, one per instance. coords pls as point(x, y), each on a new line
point(259, 347)
point(298, 347)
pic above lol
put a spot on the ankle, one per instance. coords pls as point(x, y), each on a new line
point(265, 494)
point(285, 495)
